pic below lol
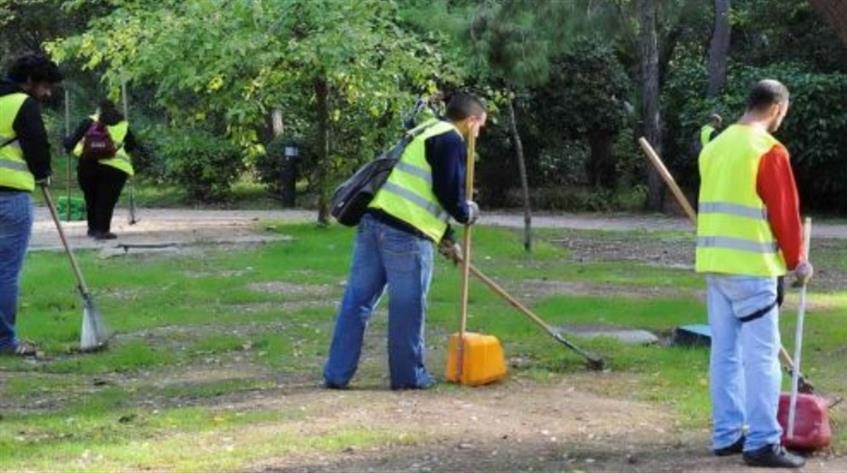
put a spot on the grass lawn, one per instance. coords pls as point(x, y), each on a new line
point(198, 335)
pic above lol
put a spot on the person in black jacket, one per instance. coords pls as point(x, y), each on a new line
point(24, 164)
point(102, 180)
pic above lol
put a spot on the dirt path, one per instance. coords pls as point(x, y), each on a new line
point(187, 226)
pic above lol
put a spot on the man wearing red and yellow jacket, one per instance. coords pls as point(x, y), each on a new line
point(748, 235)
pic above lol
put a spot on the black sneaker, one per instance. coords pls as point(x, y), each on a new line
point(337, 387)
point(105, 236)
point(773, 456)
point(733, 449)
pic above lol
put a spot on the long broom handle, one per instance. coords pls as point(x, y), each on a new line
point(668, 178)
point(68, 157)
point(798, 337)
point(83, 288)
point(692, 215)
point(466, 257)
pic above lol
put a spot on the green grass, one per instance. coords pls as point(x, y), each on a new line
point(179, 314)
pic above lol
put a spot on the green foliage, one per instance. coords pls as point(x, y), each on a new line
point(203, 163)
point(813, 130)
point(77, 208)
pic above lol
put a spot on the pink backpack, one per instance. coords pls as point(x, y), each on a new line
point(97, 143)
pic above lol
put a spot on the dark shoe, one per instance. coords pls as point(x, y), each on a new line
point(105, 236)
point(773, 456)
point(22, 349)
point(428, 385)
point(338, 387)
point(733, 449)
point(91, 233)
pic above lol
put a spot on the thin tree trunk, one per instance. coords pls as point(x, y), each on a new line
point(833, 13)
point(527, 210)
point(719, 48)
point(321, 94)
point(650, 113)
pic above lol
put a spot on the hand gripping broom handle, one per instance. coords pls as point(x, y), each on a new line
point(798, 337)
point(692, 215)
point(83, 288)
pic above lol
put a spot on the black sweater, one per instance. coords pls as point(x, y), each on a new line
point(31, 134)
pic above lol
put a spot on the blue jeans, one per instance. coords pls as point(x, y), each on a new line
point(15, 229)
point(744, 374)
point(383, 255)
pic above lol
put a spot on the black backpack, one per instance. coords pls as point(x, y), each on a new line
point(351, 199)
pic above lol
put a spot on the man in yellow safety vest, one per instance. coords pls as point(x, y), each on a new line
point(24, 163)
point(748, 235)
point(393, 246)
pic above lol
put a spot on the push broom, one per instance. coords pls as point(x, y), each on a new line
point(95, 334)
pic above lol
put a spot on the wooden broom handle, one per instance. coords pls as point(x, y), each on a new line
point(668, 178)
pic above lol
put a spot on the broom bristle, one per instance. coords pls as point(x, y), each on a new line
point(95, 333)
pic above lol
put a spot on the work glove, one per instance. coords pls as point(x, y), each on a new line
point(44, 182)
point(803, 273)
point(450, 250)
point(473, 212)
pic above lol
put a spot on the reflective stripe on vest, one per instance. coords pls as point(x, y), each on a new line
point(14, 172)
point(733, 233)
point(122, 161)
point(407, 194)
point(706, 134)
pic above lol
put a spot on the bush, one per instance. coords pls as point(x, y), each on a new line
point(813, 131)
point(203, 163)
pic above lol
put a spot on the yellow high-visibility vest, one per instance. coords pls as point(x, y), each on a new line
point(14, 171)
point(407, 194)
point(122, 160)
point(733, 233)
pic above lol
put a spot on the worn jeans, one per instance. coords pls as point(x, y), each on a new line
point(15, 229)
point(383, 255)
point(744, 375)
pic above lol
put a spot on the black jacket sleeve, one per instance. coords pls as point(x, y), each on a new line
point(78, 134)
point(446, 155)
point(130, 144)
point(32, 136)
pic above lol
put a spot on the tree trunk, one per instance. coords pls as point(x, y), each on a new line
point(527, 211)
point(602, 167)
point(650, 113)
point(834, 13)
point(321, 94)
point(719, 48)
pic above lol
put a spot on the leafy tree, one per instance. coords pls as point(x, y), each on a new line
point(223, 66)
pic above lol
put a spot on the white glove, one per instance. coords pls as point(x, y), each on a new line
point(473, 212)
point(803, 273)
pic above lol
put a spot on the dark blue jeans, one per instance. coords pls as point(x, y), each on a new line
point(384, 256)
point(15, 229)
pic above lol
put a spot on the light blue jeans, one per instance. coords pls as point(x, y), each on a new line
point(383, 255)
point(744, 374)
point(15, 229)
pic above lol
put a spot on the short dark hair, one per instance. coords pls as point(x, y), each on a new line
point(109, 114)
point(37, 67)
point(765, 93)
point(463, 105)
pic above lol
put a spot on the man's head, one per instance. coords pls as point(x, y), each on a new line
point(768, 102)
point(36, 74)
point(715, 120)
point(467, 112)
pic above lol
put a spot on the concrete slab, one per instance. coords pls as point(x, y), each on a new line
point(622, 334)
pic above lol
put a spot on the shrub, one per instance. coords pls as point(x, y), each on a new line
point(203, 163)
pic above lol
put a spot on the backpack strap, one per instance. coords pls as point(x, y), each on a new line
point(8, 142)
